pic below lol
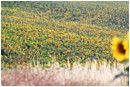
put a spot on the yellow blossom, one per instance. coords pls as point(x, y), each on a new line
point(120, 49)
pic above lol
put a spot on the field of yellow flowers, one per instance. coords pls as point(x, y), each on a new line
point(42, 33)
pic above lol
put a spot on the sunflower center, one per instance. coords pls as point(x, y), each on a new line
point(121, 48)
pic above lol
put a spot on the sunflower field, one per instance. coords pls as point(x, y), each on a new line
point(47, 32)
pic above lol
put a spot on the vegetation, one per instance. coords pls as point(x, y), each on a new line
point(120, 50)
point(44, 32)
point(37, 38)
point(59, 76)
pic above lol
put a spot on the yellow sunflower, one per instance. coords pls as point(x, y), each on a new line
point(120, 49)
point(126, 46)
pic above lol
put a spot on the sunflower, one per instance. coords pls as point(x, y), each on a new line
point(120, 49)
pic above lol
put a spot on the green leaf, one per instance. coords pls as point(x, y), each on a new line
point(127, 69)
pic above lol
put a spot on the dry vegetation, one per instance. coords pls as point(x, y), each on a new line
point(57, 76)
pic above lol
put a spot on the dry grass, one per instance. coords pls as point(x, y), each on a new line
point(58, 76)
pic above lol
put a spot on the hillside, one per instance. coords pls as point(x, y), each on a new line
point(44, 32)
